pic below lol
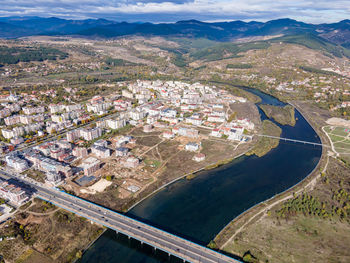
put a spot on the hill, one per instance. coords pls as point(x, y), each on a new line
point(13, 27)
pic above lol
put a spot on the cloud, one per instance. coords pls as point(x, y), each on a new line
point(173, 10)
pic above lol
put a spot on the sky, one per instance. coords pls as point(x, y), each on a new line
point(311, 11)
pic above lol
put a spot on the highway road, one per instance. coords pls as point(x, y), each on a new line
point(174, 245)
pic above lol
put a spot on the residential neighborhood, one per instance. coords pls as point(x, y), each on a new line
point(71, 144)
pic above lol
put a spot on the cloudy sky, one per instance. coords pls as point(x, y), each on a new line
point(314, 11)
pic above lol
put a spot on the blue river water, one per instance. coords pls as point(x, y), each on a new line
point(198, 209)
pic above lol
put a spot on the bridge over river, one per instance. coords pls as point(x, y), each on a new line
point(293, 140)
point(157, 238)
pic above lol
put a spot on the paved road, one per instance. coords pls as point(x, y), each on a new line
point(184, 249)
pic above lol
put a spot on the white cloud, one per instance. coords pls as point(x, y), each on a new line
point(308, 10)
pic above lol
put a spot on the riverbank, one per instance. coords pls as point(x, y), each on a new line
point(266, 144)
point(283, 115)
point(251, 216)
point(212, 199)
point(192, 175)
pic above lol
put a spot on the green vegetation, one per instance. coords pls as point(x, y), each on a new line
point(13, 55)
point(284, 116)
point(319, 71)
point(314, 42)
point(306, 204)
point(179, 61)
point(212, 245)
point(191, 176)
point(118, 62)
point(232, 117)
point(264, 145)
point(239, 66)
point(249, 258)
point(218, 164)
point(340, 139)
point(227, 50)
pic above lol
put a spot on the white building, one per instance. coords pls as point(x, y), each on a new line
point(192, 147)
point(116, 123)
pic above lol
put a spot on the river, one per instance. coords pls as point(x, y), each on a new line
point(198, 209)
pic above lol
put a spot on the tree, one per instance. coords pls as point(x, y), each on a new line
point(212, 245)
point(249, 258)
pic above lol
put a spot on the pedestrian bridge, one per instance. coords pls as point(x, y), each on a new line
point(292, 140)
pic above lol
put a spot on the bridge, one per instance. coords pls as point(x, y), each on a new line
point(292, 140)
point(173, 245)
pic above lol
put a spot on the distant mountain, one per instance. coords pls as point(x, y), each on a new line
point(14, 27)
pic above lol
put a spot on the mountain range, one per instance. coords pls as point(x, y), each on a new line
point(14, 27)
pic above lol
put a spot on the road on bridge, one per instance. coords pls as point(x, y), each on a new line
point(179, 247)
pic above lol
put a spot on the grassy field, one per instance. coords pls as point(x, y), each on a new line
point(340, 138)
point(44, 233)
point(317, 229)
point(283, 115)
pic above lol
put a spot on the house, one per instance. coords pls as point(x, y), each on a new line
point(192, 147)
point(147, 128)
point(199, 157)
point(214, 118)
point(215, 133)
point(168, 134)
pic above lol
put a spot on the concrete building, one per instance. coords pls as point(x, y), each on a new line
point(168, 134)
point(236, 134)
point(73, 135)
point(147, 128)
point(100, 151)
point(80, 152)
point(199, 157)
point(187, 132)
point(121, 151)
point(192, 147)
point(17, 163)
point(116, 123)
point(90, 134)
point(130, 162)
point(53, 177)
point(13, 193)
point(90, 166)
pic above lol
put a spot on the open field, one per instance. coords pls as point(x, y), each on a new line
point(273, 237)
point(277, 230)
point(340, 138)
point(44, 233)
